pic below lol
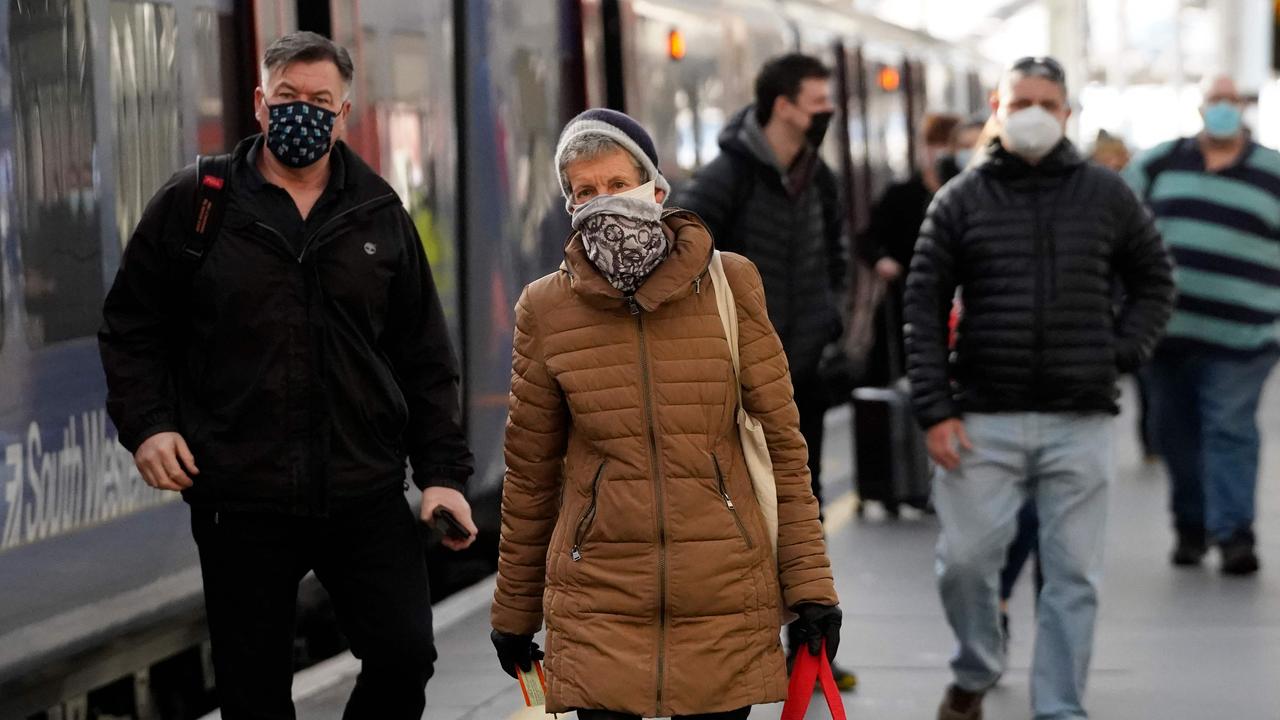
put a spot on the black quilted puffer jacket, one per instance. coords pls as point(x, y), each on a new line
point(1064, 280)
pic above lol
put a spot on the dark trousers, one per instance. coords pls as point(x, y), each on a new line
point(1204, 412)
point(610, 715)
point(369, 557)
point(1025, 543)
point(811, 402)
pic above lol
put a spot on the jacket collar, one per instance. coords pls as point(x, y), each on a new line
point(1001, 163)
point(678, 276)
point(351, 178)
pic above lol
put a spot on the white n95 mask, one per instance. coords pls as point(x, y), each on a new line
point(1031, 133)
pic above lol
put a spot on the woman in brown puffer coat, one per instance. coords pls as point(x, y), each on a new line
point(629, 521)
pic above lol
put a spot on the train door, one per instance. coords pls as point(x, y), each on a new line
point(888, 127)
point(683, 69)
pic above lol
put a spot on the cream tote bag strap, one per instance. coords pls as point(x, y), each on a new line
point(750, 431)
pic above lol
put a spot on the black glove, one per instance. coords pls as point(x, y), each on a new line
point(815, 624)
point(515, 650)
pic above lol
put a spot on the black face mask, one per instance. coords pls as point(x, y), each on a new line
point(818, 124)
point(947, 168)
point(299, 133)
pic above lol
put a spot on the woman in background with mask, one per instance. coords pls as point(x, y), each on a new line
point(630, 523)
point(891, 234)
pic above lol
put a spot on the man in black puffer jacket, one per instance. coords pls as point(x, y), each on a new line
point(1037, 241)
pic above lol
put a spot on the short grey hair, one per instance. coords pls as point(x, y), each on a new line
point(305, 46)
point(589, 146)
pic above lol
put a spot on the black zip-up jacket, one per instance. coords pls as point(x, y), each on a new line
point(793, 232)
point(1040, 254)
point(302, 360)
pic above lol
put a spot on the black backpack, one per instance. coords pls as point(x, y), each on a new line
point(207, 188)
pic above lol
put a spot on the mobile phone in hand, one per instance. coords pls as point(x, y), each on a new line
point(450, 525)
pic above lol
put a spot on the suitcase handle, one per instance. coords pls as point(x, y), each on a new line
point(807, 670)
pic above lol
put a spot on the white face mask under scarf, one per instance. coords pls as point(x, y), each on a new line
point(623, 235)
point(1031, 133)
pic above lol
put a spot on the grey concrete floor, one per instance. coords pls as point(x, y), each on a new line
point(1171, 644)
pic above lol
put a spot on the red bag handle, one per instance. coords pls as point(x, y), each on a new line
point(807, 670)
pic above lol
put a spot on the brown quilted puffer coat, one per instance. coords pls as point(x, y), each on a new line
point(628, 517)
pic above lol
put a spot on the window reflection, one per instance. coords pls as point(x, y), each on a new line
point(58, 217)
point(144, 99)
point(215, 82)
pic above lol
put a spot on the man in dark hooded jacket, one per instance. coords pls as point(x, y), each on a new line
point(769, 196)
point(1038, 242)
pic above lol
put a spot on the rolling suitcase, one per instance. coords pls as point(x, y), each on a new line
point(892, 465)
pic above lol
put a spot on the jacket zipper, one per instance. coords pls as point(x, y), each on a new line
point(307, 245)
point(588, 516)
point(284, 242)
point(1037, 349)
point(654, 461)
point(728, 502)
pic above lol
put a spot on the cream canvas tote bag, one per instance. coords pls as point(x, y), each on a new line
point(754, 447)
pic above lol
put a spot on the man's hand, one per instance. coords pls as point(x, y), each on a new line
point(889, 269)
point(166, 462)
point(945, 440)
point(455, 503)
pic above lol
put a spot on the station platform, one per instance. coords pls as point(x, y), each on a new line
point(1174, 644)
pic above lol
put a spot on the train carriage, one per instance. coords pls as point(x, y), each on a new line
point(458, 103)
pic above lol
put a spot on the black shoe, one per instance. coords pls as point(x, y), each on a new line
point(1191, 548)
point(1238, 557)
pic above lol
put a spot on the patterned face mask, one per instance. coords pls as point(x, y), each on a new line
point(623, 236)
point(299, 133)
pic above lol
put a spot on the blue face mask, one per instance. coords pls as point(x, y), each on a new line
point(299, 133)
point(1222, 120)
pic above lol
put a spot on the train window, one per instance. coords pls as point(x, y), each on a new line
point(685, 133)
point(403, 121)
point(674, 99)
point(217, 92)
point(145, 101)
point(274, 18)
point(58, 220)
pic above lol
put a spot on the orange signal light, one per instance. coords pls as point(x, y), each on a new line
point(675, 45)
point(890, 79)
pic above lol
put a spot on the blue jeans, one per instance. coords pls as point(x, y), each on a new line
point(1064, 462)
point(1204, 420)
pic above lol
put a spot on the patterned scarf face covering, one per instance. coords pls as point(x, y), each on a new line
point(623, 236)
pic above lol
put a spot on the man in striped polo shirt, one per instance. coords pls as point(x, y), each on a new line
point(1216, 198)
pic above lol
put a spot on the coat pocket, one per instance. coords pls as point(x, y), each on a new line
point(588, 516)
point(728, 502)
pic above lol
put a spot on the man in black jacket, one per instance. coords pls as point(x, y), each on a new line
point(1036, 240)
point(280, 382)
point(769, 196)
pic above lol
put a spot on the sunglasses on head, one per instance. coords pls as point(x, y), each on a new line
point(1041, 65)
